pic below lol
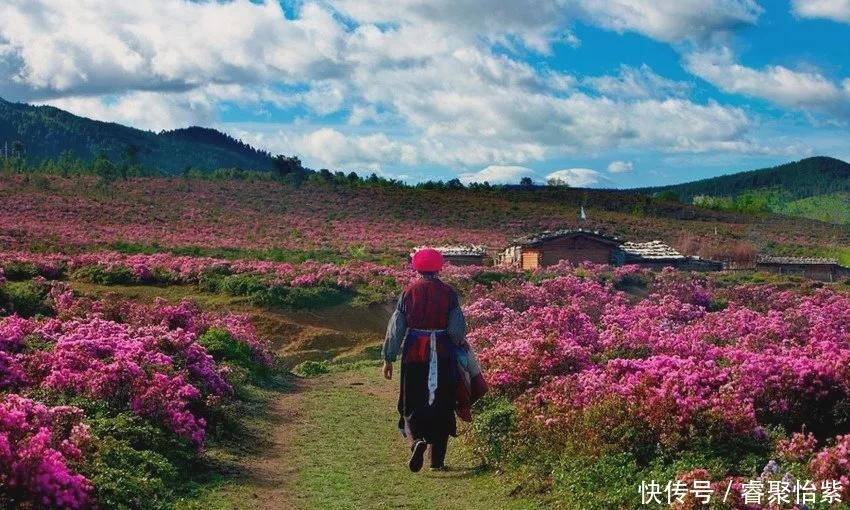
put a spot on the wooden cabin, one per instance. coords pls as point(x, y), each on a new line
point(823, 269)
point(577, 246)
point(658, 255)
point(550, 247)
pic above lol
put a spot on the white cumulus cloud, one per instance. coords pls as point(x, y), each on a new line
point(779, 84)
point(406, 82)
point(533, 22)
point(836, 10)
point(61, 47)
point(670, 21)
point(619, 167)
point(330, 148)
point(144, 110)
point(639, 83)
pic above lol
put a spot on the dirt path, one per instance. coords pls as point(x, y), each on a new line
point(259, 472)
point(331, 445)
point(269, 476)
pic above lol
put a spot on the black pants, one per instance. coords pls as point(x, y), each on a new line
point(422, 419)
point(438, 450)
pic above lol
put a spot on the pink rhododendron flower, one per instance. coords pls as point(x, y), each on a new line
point(38, 447)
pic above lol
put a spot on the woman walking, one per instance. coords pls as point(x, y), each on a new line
point(429, 324)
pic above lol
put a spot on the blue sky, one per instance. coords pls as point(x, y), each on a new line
point(621, 93)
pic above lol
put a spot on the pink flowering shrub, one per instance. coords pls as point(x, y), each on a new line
point(185, 315)
point(796, 448)
point(569, 342)
point(684, 287)
point(833, 463)
point(373, 283)
point(133, 367)
point(592, 370)
point(40, 447)
point(128, 367)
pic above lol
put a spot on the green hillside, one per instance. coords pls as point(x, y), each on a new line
point(832, 207)
point(808, 177)
point(816, 188)
point(44, 132)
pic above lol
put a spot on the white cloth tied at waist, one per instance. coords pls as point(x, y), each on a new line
point(432, 362)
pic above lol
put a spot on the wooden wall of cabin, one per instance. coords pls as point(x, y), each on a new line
point(530, 258)
point(576, 250)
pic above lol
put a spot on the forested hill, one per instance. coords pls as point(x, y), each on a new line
point(817, 188)
point(805, 178)
point(44, 132)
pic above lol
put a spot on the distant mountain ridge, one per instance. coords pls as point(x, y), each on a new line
point(816, 188)
point(45, 132)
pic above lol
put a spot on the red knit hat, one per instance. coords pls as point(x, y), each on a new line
point(427, 260)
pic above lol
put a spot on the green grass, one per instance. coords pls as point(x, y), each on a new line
point(352, 457)
point(842, 254)
point(171, 293)
point(345, 454)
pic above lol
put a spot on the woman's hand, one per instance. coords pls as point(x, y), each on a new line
point(388, 370)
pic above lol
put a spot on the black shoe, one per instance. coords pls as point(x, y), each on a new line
point(417, 458)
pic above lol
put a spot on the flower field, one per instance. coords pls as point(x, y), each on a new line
point(168, 268)
point(102, 402)
point(603, 378)
point(601, 389)
point(51, 213)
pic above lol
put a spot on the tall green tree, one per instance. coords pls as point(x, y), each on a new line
point(287, 165)
point(18, 148)
point(104, 169)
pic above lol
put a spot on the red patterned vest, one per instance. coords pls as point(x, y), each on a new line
point(426, 304)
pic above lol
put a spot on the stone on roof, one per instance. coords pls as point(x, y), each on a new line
point(474, 250)
point(548, 235)
point(767, 259)
point(651, 250)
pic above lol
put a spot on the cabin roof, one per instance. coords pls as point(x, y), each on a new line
point(550, 235)
point(473, 250)
point(767, 259)
point(654, 250)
